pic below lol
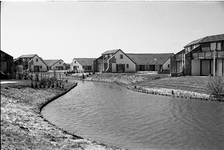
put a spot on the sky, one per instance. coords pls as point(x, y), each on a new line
point(67, 30)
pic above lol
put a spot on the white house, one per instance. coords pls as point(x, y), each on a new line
point(114, 61)
point(36, 64)
point(55, 64)
point(82, 64)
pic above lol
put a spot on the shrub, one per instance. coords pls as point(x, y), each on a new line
point(215, 87)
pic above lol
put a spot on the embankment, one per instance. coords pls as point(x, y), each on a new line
point(23, 127)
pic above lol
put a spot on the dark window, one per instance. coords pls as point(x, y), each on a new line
point(127, 65)
point(168, 66)
point(121, 56)
point(40, 67)
point(59, 62)
point(36, 60)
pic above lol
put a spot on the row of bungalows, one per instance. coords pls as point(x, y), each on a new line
point(201, 57)
point(118, 61)
point(34, 63)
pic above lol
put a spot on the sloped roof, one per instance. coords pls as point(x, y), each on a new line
point(149, 59)
point(28, 56)
point(111, 51)
point(51, 62)
point(85, 61)
point(6, 53)
point(212, 38)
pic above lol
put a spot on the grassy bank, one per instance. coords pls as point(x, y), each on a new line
point(184, 87)
point(23, 127)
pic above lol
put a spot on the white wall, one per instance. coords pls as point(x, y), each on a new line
point(125, 60)
point(38, 63)
point(78, 66)
point(195, 69)
point(166, 64)
point(219, 67)
point(58, 64)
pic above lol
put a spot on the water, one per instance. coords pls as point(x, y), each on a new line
point(116, 116)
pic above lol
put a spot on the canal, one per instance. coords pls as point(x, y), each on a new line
point(114, 115)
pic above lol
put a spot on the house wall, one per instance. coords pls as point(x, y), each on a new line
point(125, 60)
point(166, 65)
point(37, 62)
point(195, 68)
point(58, 66)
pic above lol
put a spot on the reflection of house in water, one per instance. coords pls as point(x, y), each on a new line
point(6, 63)
point(82, 64)
point(197, 57)
point(31, 62)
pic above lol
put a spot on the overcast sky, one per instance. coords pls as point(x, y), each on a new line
point(67, 30)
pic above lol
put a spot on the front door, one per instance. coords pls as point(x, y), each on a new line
point(205, 67)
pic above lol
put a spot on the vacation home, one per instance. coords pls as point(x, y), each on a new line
point(200, 57)
point(82, 64)
point(31, 62)
point(6, 63)
point(114, 61)
point(151, 62)
point(55, 64)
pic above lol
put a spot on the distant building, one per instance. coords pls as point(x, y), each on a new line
point(197, 57)
point(151, 62)
point(6, 63)
point(82, 64)
point(114, 61)
point(31, 62)
point(55, 64)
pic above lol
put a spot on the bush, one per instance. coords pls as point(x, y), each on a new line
point(215, 87)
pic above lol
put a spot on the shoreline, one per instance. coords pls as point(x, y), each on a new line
point(157, 91)
point(23, 126)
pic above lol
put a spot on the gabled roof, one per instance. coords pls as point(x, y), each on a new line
point(111, 51)
point(212, 38)
point(149, 59)
point(6, 53)
point(51, 62)
point(85, 61)
point(28, 56)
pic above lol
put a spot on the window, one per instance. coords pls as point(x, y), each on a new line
point(75, 62)
point(127, 65)
point(168, 65)
point(36, 60)
point(40, 67)
point(59, 62)
point(219, 46)
point(121, 56)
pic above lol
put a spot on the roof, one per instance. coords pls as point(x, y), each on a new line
point(212, 38)
point(51, 62)
point(6, 53)
point(149, 59)
point(28, 56)
point(85, 61)
point(111, 51)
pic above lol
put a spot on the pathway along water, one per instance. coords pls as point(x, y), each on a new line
point(116, 116)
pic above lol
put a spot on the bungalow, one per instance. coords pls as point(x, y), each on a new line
point(200, 57)
point(55, 64)
point(114, 61)
point(150, 62)
point(82, 64)
point(6, 63)
point(32, 63)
